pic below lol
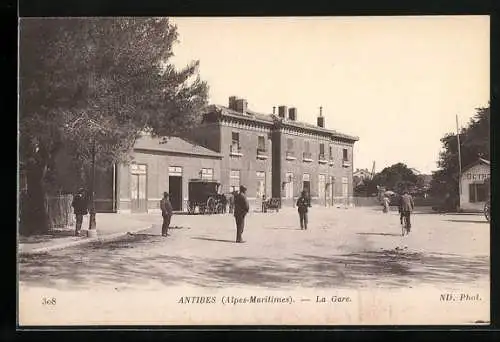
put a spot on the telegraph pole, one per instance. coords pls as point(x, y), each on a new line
point(459, 164)
point(92, 232)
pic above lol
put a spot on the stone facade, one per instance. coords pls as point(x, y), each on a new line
point(257, 147)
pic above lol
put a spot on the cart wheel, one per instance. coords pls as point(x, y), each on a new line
point(219, 208)
point(211, 206)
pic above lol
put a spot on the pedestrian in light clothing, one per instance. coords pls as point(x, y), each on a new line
point(80, 206)
point(241, 208)
point(166, 212)
point(407, 206)
point(303, 204)
point(386, 202)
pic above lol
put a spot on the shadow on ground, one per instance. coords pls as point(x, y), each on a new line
point(210, 239)
point(112, 263)
point(380, 234)
point(469, 221)
point(51, 235)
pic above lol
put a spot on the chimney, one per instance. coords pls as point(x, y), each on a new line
point(232, 102)
point(282, 111)
point(274, 110)
point(321, 119)
point(292, 114)
point(241, 106)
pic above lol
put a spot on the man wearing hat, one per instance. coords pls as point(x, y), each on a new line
point(302, 205)
point(166, 212)
point(80, 206)
point(240, 210)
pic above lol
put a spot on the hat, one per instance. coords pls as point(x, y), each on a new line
point(165, 194)
point(242, 188)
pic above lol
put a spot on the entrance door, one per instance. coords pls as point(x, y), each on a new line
point(175, 192)
point(345, 190)
point(138, 198)
point(321, 188)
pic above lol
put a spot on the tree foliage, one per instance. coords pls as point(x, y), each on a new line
point(474, 143)
point(397, 177)
point(102, 81)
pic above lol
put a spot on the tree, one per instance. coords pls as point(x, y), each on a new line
point(97, 82)
point(397, 177)
point(474, 143)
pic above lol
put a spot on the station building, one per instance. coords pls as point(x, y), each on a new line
point(272, 155)
point(276, 155)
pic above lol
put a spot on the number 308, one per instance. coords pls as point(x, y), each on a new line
point(48, 301)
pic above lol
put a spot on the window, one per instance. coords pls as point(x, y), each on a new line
point(477, 193)
point(321, 151)
point(235, 143)
point(306, 146)
point(289, 144)
point(236, 138)
point(345, 156)
point(207, 174)
point(175, 171)
point(234, 180)
point(331, 153)
point(261, 143)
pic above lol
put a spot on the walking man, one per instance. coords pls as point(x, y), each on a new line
point(80, 207)
point(407, 206)
point(240, 210)
point(166, 212)
point(302, 205)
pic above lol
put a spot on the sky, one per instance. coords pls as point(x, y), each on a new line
point(397, 83)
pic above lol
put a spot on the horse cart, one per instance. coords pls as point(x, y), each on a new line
point(204, 197)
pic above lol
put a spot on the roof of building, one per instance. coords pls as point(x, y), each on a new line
point(270, 118)
point(478, 161)
point(173, 145)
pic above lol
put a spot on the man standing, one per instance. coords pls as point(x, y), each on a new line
point(302, 205)
point(407, 206)
point(241, 208)
point(80, 207)
point(166, 212)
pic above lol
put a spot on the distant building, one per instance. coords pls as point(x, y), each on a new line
point(475, 186)
point(360, 175)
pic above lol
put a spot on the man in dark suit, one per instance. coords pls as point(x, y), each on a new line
point(80, 206)
point(241, 208)
point(407, 206)
point(166, 212)
point(302, 204)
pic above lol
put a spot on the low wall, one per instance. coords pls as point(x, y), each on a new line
point(373, 201)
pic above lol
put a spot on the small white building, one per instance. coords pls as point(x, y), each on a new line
point(475, 191)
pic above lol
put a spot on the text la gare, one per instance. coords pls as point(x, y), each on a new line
point(333, 299)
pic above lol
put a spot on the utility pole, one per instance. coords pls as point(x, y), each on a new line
point(92, 232)
point(459, 165)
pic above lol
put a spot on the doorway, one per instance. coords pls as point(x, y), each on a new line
point(138, 187)
point(175, 192)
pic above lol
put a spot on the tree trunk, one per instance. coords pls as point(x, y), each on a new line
point(35, 218)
